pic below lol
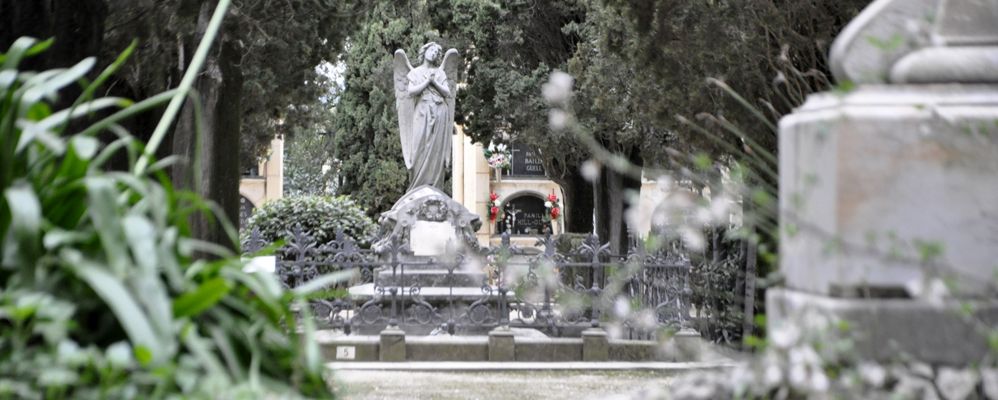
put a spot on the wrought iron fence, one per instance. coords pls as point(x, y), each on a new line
point(560, 293)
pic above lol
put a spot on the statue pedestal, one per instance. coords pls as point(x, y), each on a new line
point(428, 223)
point(882, 190)
point(887, 192)
point(890, 185)
point(423, 236)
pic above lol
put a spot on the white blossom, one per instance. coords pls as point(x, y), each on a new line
point(664, 183)
point(614, 331)
point(931, 290)
point(590, 170)
point(120, 355)
point(621, 307)
point(558, 119)
point(798, 375)
point(703, 216)
point(719, 208)
point(558, 89)
point(692, 238)
point(632, 217)
point(956, 383)
point(872, 373)
point(773, 375)
point(819, 381)
point(646, 319)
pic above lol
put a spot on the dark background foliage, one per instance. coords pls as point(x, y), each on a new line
point(637, 65)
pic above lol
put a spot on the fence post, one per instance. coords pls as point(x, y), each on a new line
point(502, 346)
point(391, 344)
point(595, 345)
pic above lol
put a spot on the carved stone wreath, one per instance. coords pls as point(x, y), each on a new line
point(435, 210)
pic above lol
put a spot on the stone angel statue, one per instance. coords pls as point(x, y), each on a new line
point(424, 99)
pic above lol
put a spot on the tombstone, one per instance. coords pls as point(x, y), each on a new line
point(892, 184)
point(524, 215)
point(525, 161)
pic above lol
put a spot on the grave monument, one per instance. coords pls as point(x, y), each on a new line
point(888, 187)
point(425, 226)
point(426, 219)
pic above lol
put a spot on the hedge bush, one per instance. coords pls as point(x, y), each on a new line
point(320, 216)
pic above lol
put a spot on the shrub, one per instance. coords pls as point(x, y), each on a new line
point(320, 216)
point(100, 296)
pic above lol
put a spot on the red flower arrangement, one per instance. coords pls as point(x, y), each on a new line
point(552, 206)
point(493, 206)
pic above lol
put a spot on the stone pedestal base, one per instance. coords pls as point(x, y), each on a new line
point(595, 345)
point(887, 329)
point(427, 223)
point(889, 185)
point(501, 345)
point(391, 346)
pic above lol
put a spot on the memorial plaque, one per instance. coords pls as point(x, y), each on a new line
point(525, 161)
point(430, 238)
point(524, 215)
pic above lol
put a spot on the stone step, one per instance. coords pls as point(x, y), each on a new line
point(528, 346)
point(431, 278)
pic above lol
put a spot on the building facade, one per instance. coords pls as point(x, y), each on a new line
point(263, 182)
point(522, 190)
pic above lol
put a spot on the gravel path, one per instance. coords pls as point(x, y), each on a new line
point(512, 385)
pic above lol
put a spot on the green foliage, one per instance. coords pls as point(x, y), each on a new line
point(320, 216)
point(514, 46)
point(367, 138)
point(309, 166)
point(100, 295)
point(277, 46)
point(715, 288)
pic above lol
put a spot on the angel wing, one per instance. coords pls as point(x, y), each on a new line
point(404, 104)
point(452, 67)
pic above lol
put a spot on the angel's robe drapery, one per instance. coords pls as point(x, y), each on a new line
point(430, 133)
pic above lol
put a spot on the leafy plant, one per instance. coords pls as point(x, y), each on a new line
point(319, 216)
point(309, 168)
point(100, 295)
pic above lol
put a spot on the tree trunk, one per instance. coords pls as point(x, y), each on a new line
point(748, 324)
point(209, 147)
point(579, 202)
point(617, 231)
point(601, 208)
point(611, 206)
point(76, 25)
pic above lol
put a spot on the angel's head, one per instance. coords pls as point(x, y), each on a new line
point(431, 52)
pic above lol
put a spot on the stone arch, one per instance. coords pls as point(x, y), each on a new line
point(523, 212)
point(248, 195)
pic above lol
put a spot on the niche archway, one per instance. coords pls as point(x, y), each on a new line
point(246, 208)
point(523, 214)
